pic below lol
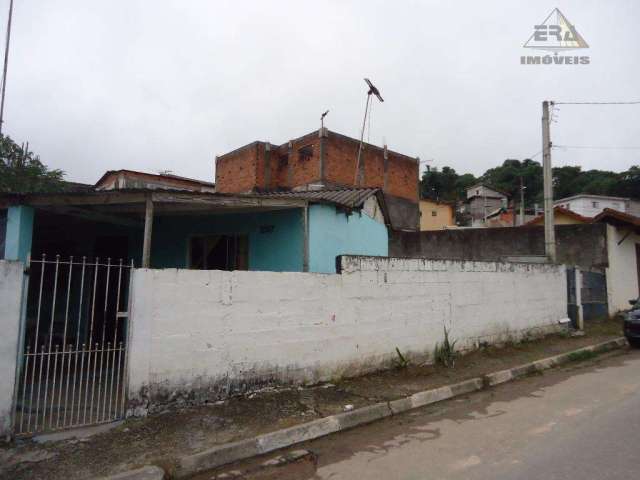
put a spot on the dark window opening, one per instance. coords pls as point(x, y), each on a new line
point(305, 153)
point(219, 252)
point(283, 161)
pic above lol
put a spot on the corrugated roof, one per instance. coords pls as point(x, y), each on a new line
point(347, 197)
point(617, 218)
point(560, 210)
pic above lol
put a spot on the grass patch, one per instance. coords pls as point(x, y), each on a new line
point(581, 356)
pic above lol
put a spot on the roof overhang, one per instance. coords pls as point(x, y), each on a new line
point(619, 219)
point(127, 207)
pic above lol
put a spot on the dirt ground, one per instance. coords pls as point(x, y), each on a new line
point(160, 438)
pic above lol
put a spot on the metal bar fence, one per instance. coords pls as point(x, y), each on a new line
point(73, 375)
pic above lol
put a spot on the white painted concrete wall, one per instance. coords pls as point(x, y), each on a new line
point(10, 302)
point(622, 274)
point(584, 204)
point(214, 331)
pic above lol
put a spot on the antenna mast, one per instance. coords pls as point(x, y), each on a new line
point(372, 91)
point(6, 61)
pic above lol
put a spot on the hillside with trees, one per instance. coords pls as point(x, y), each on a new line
point(447, 184)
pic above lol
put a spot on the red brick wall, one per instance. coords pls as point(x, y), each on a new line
point(236, 171)
point(306, 169)
point(402, 180)
point(341, 160)
point(244, 169)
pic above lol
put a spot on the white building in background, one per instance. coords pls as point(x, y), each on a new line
point(592, 205)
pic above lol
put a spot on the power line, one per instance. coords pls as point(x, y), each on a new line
point(597, 147)
point(632, 102)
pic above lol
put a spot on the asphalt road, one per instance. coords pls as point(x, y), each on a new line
point(580, 422)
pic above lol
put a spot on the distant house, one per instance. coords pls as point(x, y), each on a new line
point(436, 215)
point(483, 200)
point(591, 205)
point(561, 216)
point(131, 179)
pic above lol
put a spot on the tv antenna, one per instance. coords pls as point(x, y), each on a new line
point(322, 118)
point(372, 91)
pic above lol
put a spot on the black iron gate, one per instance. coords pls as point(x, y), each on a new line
point(593, 295)
point(74, 361)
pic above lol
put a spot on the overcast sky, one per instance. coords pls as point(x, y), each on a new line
point(166, 85)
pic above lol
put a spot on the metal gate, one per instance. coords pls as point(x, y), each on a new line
point(593, 295)
point(74, 361)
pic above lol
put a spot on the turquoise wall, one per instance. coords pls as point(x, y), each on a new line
point(332, 233)
point(279, 250)
point(19, 233)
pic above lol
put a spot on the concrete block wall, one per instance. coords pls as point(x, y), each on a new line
point(11, 278)
point(582, 245)
point(212, 333)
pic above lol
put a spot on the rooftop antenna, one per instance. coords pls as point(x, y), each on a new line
point(322, 119)
point(372, 91)
point(6, 61)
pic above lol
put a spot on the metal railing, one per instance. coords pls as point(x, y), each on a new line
point(74, 363)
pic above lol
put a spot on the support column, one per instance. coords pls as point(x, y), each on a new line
point(290, 165)
point(305, 226)
point(322, 133)
point(148, 227)
point(385, 168)
point(19, 233)
point(580, 312)
point(267, 166)
point(549, 223)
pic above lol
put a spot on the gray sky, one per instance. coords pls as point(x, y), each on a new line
point(160, 84)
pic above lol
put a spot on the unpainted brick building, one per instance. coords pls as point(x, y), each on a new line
point(324, 159)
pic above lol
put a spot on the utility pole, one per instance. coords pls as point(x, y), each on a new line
point(549, 230)
point(6, 62)
point(522, 187)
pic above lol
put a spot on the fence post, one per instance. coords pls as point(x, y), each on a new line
point(580, 313)
point(12, 284)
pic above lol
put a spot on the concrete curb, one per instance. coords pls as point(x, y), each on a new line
point(149, 472)
point(244, 449)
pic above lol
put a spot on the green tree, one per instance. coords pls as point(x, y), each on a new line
point(445, 184)
point(507, 177)
point(21, 171)
point(629, 184)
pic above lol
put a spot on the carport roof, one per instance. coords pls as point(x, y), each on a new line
point(127, 205)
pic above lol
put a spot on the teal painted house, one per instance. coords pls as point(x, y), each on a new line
point(273, 231)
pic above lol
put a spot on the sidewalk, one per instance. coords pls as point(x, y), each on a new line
point(161, 438)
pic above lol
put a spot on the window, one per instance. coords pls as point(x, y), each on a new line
point(434, 213)
point(595, 204)
point(305, 153)
point(219, 252)
point(477, 192)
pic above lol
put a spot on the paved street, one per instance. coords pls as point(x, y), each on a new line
point(582, 422)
